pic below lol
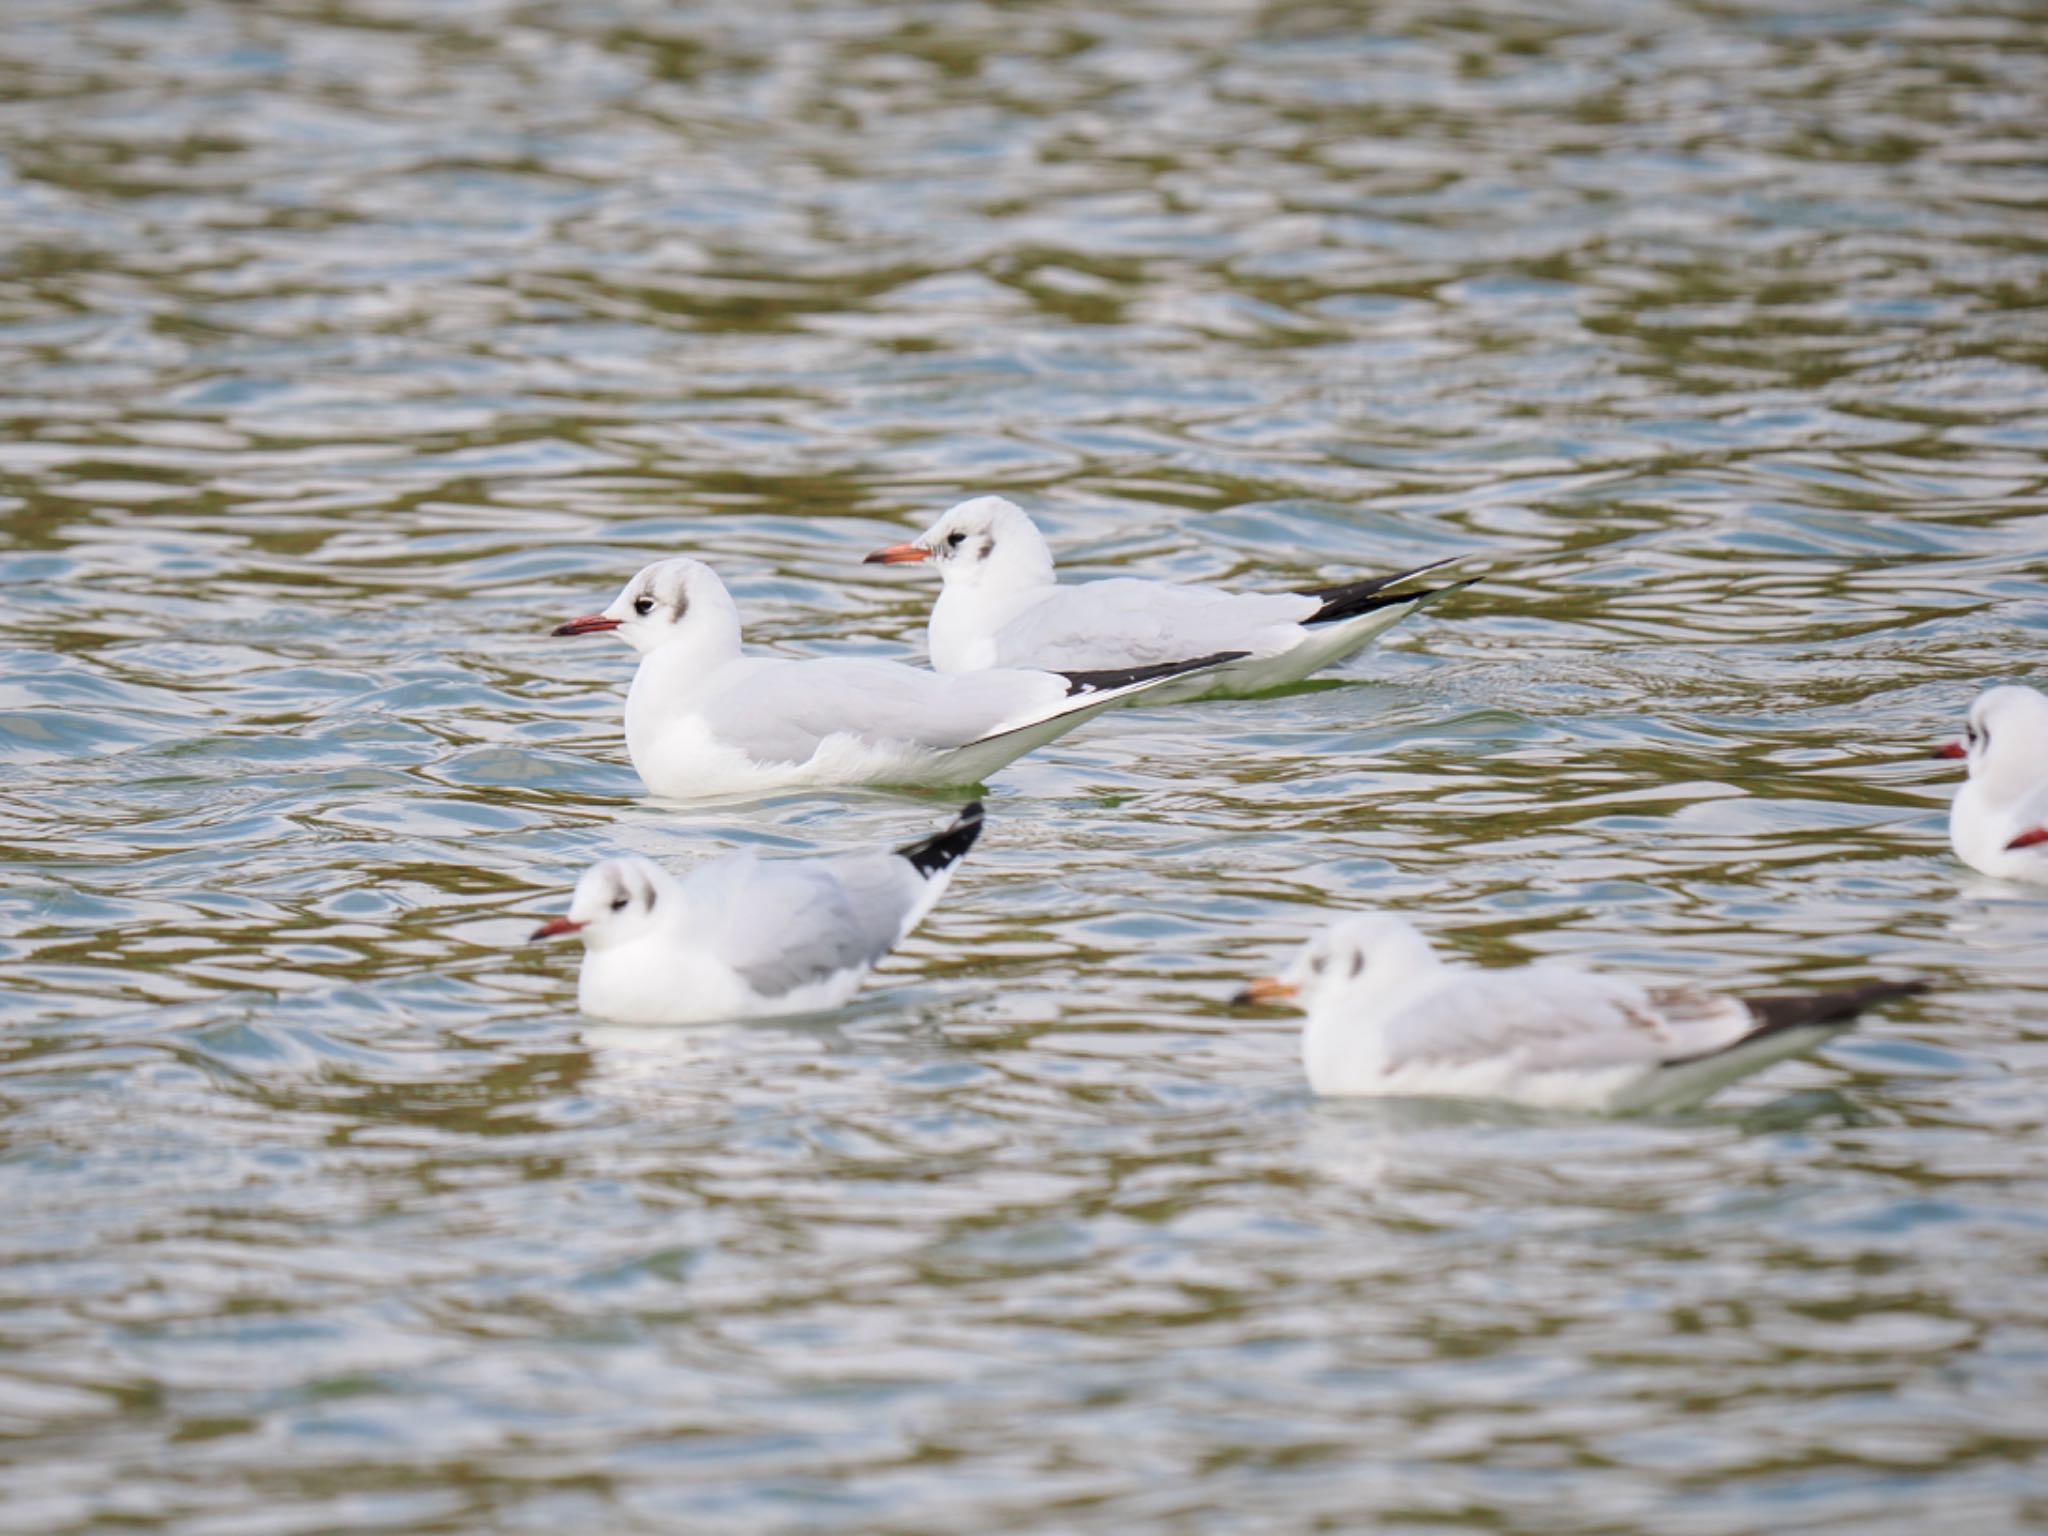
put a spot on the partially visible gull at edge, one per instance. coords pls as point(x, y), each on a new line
point(1999, 822)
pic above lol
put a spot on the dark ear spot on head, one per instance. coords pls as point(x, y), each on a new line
point(988, 547)
point(1357, 962)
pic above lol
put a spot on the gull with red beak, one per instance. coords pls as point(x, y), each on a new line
point(745, 937)
point(1999, 822)
point(1387, 1016)
point(704, 719)
point(1001, 605)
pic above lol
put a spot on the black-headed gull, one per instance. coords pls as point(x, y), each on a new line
point(703, 719)
point(741, 936)
point(1999, 822)
point(1001, 606)
point(1388, 1016)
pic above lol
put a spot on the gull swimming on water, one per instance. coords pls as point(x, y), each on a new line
point(1001, 605)
point(1999, 821)
point(704, 719)
point(741, 936)
point(1388, 1016)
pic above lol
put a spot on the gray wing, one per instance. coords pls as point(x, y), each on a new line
point(785, 923)
point(1553, 1018)
point(1127, 622)
point(778, 711)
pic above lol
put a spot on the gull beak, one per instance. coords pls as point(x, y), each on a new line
point(589, 624)
point(1267, 989)
point(554, 928)
point(898, 554)
point(2028, 838)
point(1953, 749)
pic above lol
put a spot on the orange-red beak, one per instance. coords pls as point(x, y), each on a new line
point(1267, 989)
point(589, 624)
point(1953, 749)
point(2028, 838)
point(898, 554)
point(553, 928)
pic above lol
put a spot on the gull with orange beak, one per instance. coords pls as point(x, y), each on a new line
point(746, 937)
point(1000, 605)
point(702, 718)
point(1387, 1016)
point(1999, 821)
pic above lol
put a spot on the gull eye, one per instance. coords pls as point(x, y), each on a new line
point(1357, 963)
point(621, 901)
point(955, 540)
point(1317, 963)
point(643, 606)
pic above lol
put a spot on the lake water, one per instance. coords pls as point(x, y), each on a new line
point(347, 346)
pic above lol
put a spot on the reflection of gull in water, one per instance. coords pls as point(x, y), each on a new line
point(791, 1064)
point(650, 1066)
point(1001, 606)
point(2000, 923)
point(1999, 822)
point(1387, 1016)
point(703, 719)
point(742, 936)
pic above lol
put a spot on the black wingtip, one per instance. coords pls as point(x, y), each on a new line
point(1349, 599)
point(1815, 1008)
point(1123, 677)
point(931, 854)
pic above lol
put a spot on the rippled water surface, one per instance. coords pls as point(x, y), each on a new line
point(345, 347)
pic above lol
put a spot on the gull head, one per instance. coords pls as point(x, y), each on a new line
point(2005, 740)
point(984, 542)
point(667, 601)
point(1367, 950)
point(615, 903)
